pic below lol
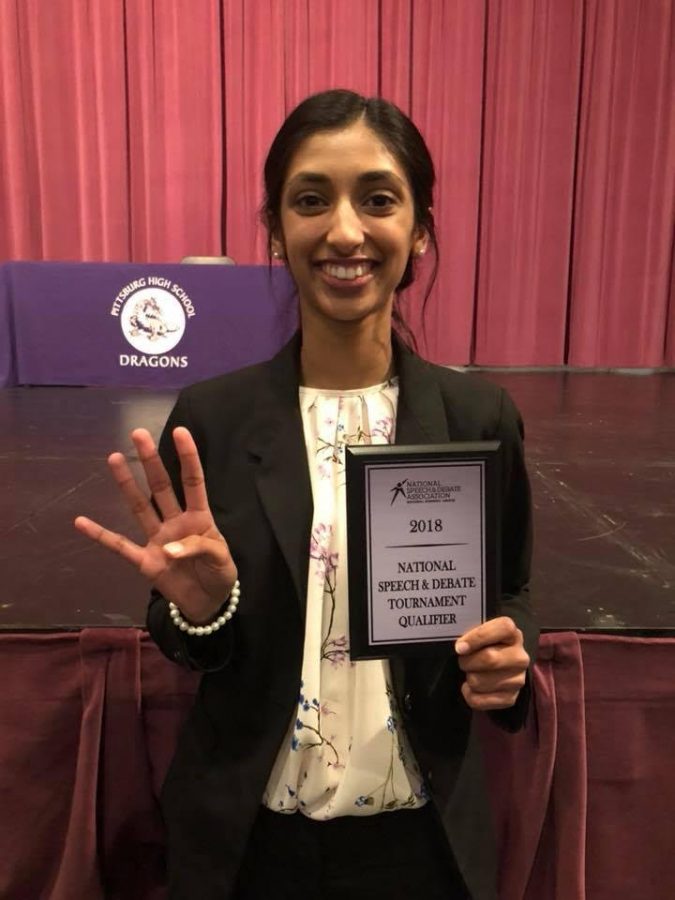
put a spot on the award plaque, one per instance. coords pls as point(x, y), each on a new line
point(422, 545)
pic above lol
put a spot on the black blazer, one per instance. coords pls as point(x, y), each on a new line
point(248, 428)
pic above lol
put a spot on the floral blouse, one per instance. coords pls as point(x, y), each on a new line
point(346, 752)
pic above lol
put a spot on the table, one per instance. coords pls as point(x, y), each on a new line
point(7, 375)
point(138, 325)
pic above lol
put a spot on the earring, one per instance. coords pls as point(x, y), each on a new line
point(420, 251)
point(277, 255)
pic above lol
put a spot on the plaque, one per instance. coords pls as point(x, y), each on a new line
point(422, 545)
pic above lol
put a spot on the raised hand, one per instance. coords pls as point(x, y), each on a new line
point(495, 662)
point(186, 558)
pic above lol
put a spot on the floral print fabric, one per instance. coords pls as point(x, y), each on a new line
point(346, 752)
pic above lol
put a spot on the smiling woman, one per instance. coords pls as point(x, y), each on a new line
point(301, 771)
point(347, 228)
point(363, 170)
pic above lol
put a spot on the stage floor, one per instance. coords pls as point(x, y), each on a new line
point(601, 455)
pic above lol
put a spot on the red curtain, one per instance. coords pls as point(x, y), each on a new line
point(63, 160)
point(622, 249)
point(137, 131)
point(174, 155)
point(582, 798)
point(532, 91)
point(446, 86)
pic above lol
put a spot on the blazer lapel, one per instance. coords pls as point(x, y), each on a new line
point(282, 478)
point(421, 417)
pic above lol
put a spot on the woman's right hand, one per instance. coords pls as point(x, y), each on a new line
point(186, 558)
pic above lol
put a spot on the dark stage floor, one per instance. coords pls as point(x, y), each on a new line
point(601, 451)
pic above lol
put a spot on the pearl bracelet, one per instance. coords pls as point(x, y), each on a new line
point(200, 630)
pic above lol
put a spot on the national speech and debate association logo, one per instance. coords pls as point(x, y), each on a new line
point(398, 490)
point(153, 313)
point(424, 490)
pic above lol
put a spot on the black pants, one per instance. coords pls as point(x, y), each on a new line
point(396, 855)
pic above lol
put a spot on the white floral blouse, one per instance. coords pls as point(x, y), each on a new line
point(346, 752)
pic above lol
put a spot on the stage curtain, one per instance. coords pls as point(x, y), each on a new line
point(543, 770)
point(64, 190)
point(111, 145)
point(625, 182)
point(670, 331)
point(532, 86)
point(582, 798)
point(446, 85)
point(275, 54)
point(174, 128)
point(89, 722)
point(137, 131)
point(630, 711)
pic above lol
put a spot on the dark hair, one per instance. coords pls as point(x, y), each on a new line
point(335, 109)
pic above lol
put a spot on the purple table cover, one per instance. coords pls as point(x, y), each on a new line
point(7, 374)
point(144, 325)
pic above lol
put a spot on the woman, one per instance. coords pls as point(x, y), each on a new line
point(299, 770)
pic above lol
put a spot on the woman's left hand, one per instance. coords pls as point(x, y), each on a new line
point(495, 662)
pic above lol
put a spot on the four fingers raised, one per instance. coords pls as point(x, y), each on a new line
point(156, 476)
point(191, 472)
point(159, 489)
point(136, 499)
point(110, 539)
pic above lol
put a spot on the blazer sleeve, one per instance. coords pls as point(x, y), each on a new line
point(516, 549)
point(207, 653)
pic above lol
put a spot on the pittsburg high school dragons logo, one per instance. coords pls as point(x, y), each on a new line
point(153, 314)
